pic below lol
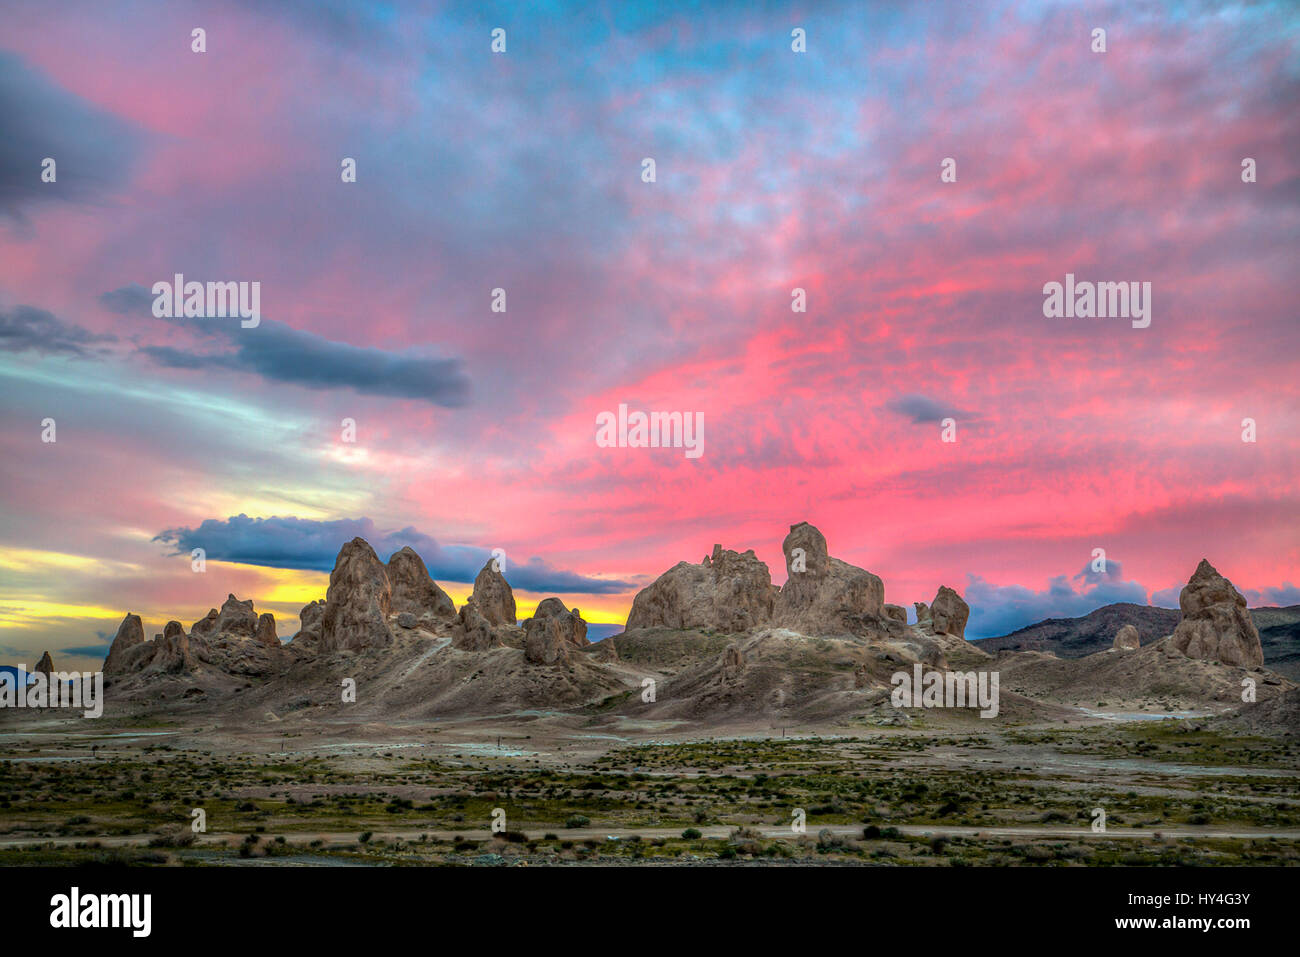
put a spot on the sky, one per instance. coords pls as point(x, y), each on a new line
point(774, 170)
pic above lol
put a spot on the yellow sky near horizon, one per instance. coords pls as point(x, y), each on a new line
point(57, 600)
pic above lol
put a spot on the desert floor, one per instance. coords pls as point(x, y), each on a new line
point(577, 789)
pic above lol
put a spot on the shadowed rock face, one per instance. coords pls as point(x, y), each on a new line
point(46, 665)
point(310, 619)
point(828, 596)
point(728, 591)
point(949, 613)
point(171, 654)
point(546, 641)
point(1216, 625)
point(472, 631)
point(207, 624)
point(922, 611)
point(414, 591)
point(493, 596)
point(569, 623)
point(358, 602)
point(553, 633)
point(1127, 639)
point(266, 630)
point(237, 618)
point(129, 634)
point(733, 663)
point(896, 612)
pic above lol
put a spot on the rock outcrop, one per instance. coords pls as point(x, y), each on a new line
point(472, 631)
point(733, 663)
point(234, 641)
point(414, 591)
point(493, 596)
point(129, 634)
point(922, 611)
point(824, 596)
point(309, 623)
point(949, 613)
point(553, 632)
point(170, 652)
point(729, 592)
point(1127, 639)
point(237, 618)
point(545, 642)
point(896, 612)
point(358, 602)
point(569, 622)
point(1216, 625)
point(265, 633)
point(207, 624)
point(45, 666)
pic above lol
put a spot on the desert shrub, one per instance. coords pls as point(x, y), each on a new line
point(178, 836)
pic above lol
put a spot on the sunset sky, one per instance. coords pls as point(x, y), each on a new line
point(523, 171)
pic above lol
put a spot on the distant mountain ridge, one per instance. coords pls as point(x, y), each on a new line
point(1279, 632)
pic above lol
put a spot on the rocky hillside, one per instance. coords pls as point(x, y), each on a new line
point(716, 643)
point(1279, 632)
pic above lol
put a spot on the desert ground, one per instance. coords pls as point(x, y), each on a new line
point(588, 788)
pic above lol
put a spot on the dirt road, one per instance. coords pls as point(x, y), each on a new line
point(343, 838)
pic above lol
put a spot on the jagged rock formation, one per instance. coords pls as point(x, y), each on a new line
point(493, 596)
point(729, 592)
point(46, 665)
point(544, 643)
point(823, 595)
point(236, 618)
point(207, 624)
point(724, 645)
point(1216, 625)
point(309, 624)
point(569, 622)
point(414, 591)
point(358, 602)
point(129, 634)
point(1127, 639)
point(949, 613)
point(553, 632)
point(171, 652)
point(265, 632)
point(473, 632)
point(234, 641)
